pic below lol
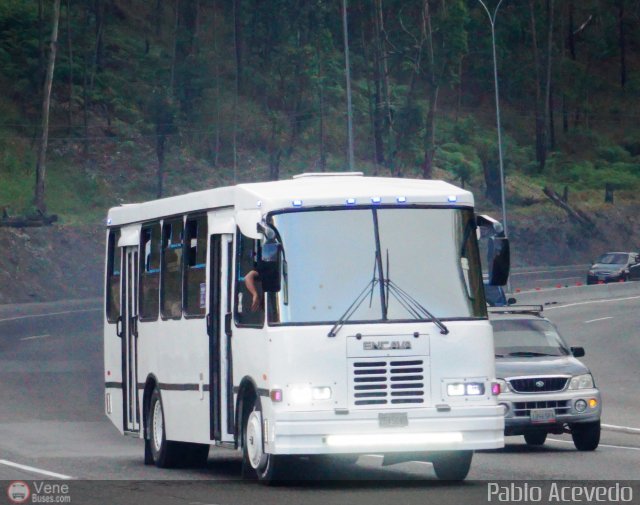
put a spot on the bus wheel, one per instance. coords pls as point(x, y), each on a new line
point(269, 468)
point(165, 454)
point(452, 465)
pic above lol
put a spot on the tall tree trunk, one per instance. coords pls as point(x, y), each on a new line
point(540, 125)
point(238, 72)
point(388, 122)
point(85, 91)
point(379, 107)
point(571, 31)
point(70, 52)
point(430, 123)
point(430, 133)
point(158, 17)
point(237, 37)
point(39, 200)
point(622, 44)
point(216, 154)
point(547, 102)
point(174, 52)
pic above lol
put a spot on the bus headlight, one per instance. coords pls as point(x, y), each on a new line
point(302, 395)
point(465, 389)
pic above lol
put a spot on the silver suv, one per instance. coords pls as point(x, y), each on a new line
point(545, 389)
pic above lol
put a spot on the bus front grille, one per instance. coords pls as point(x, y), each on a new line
point(388, 383)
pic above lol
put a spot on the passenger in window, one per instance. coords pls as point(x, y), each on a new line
point(252, 281)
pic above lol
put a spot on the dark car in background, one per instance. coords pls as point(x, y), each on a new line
point(544, 388)
point(615, 267)
point(496, 297)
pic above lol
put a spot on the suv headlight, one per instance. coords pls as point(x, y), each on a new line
point(581, 382)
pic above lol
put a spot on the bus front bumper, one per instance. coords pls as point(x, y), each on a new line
point(360, 432)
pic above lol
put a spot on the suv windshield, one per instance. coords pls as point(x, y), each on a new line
point(429, 254)
point(613, 259)
point(527, 337)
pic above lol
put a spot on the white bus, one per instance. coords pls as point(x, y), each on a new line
point(369, 333)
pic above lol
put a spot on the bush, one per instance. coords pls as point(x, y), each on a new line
point(613, 154)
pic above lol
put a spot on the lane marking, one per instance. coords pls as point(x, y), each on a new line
point(35, 470)
point(599, 319)
point(37, 336)
point(621, 429)
point(554, 307)
point(600, 445)
point(16, 318)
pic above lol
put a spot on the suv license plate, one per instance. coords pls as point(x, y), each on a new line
point(393, 420)
point(543, 415)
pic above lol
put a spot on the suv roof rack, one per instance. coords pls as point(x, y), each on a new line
point(517, 309)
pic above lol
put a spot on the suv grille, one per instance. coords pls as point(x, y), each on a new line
point(390, 382)
point(523, 409)
point(538, 384)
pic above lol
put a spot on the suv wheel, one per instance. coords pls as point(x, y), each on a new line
point(586, 436)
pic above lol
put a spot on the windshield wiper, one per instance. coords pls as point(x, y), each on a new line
point(413, 306)
point(368, 290)
point(408, 302)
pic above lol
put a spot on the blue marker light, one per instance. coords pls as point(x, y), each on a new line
point(109, 221)
point(453, 198)
point(351, 201)
point(259, 203)
point(297, 203)
point(401, 199)
point(376, 200)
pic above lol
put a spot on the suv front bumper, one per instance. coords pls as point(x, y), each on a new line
point(518, 407)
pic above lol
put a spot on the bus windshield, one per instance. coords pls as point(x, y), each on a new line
point(428, 255)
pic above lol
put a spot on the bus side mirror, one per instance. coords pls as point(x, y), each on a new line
point(270, 265)
point(499, 257)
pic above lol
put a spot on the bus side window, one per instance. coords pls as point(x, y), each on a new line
point(149, 272)
point(114, 254)
point(195, 284)
point(171, 271)
point(246, 262)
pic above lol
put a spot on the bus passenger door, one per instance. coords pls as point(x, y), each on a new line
point(221, 406)
point(129, 334)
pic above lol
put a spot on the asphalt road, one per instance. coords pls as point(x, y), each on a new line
point(51, 420)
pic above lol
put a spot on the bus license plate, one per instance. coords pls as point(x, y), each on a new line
point(393, 420)
point(543, 415)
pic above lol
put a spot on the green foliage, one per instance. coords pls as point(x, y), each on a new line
point(138, 74)
point(462, 161)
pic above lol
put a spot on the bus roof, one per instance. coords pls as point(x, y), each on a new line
point(308, 190)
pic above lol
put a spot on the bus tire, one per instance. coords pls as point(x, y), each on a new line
point(268, 468)
point(452, 465)
point(195, 455)
point(164, 453)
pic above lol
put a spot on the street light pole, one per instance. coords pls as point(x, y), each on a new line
point(492, 21)
point(348, 74)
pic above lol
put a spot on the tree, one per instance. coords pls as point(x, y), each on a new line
point(39, 199)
